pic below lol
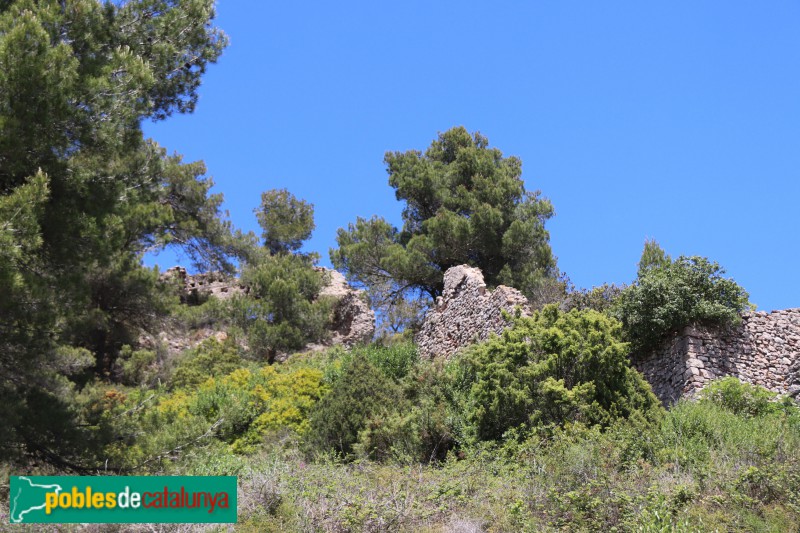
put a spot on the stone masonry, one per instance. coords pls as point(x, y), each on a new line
point(197, 287)
point(466, 313)
point(763, 350)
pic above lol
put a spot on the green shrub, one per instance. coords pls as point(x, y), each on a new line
point(254, 404)
point(395, 361)
point(418, 429)
point(742, 398)
point(667, 296)
point(551, 368)
point(694, 432)
point(360, 393)
point(148, 429)
point(136, 367)
point(601, 298)
point(210, 358)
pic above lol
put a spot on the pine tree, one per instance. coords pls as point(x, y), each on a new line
point(464, 203)
point(83, 194)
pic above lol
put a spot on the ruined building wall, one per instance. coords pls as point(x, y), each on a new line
point(353, 321)
point(763, 350)
point(466, 313)
point(196, 288)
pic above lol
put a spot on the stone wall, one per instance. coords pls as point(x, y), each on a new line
point(466, 313)
point(763, 350)
point(353, 319)
point(196, 288)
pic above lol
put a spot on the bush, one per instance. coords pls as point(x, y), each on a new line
point(210, 358)
point(147, 429)
point(253, 404)
point(418, 429)
point(360, 393)
point(601, 298)
point(743, 398)
point(136, 367)
point(395, 361)
point(551, 368)
point(668, 296)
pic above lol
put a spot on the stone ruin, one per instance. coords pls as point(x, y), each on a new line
point(196, 288)
point(353, 320)
point(763, 350)
point(466, 313)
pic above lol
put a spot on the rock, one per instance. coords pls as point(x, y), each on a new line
point(353, 320)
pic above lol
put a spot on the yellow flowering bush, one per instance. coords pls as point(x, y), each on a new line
point(251, 404)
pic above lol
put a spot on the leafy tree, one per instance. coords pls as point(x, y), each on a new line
point(464, 203)
point(551, 368)
point(669, 295)
point(286, 221)
point(83, 194)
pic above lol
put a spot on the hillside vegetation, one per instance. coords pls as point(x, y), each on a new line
point(545, 427)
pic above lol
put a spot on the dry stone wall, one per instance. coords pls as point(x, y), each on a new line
point(763, 350)
point(466, 313)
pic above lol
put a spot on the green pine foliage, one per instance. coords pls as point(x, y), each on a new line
point(464, 203)
point(653, 256)
point(283, 311)
point(361, 393)
point(286, 221)
point(83, 195)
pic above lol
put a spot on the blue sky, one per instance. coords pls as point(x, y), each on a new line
point(675, 120)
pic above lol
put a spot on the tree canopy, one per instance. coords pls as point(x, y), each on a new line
point(671, 294)
point(464, 203)
point(285, 220)
point(83, 194)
